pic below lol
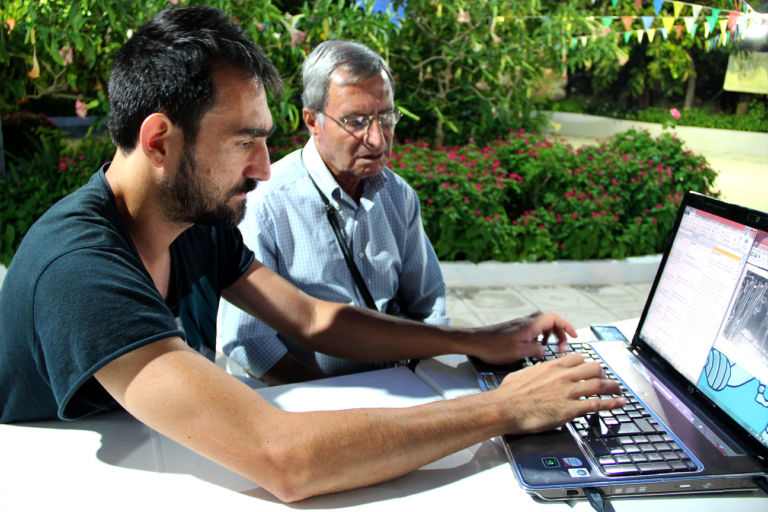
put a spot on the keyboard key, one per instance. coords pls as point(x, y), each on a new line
point(653, 467)
point(644, 426)
point(627, 428)
point(638, 457)
point(654, 457)
point(620, 469)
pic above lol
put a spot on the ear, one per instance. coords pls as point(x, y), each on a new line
point(310, 119)
point(156, 137)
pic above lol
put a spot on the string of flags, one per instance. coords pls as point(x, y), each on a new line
point(724, 25)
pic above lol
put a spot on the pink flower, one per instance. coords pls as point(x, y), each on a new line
point(66, 55)
point(675, 113)
point(80, 109)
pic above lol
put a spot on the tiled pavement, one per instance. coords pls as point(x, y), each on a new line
point(582, 305)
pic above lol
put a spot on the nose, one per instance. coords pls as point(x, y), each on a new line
point(259, 166)
point(374, 135)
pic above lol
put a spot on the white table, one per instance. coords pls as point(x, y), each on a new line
point(112, 462)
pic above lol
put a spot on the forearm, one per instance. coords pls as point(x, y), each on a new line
point(363, 335)
point(289, 370)
point(293, 455)
point(356, 448)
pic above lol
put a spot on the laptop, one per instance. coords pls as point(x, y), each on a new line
point(695, 374)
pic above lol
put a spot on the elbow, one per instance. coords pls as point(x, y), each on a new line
point(293, 476)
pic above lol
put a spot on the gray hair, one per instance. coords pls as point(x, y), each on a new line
point(356, 59)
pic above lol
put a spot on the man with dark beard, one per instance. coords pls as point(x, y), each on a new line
point(113, 293)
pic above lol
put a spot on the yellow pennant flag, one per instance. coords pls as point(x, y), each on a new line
point(651, 34)
point(677, 7)
point(723, 25)
point(640, 36)
point(706, 30)
point(667, 22)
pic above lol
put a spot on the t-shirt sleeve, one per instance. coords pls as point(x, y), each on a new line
point(90, 308)
point(237, 257)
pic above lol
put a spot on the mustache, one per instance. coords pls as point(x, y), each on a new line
point(248, 185)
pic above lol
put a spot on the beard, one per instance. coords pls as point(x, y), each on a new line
point(186, 198)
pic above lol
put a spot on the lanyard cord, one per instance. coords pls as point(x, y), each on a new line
point(344, 249)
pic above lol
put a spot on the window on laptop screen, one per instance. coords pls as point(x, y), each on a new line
point(709, 314)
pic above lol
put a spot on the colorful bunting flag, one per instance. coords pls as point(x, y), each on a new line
point(664, 33)
point(667, 22)
point(607, 20)
point(733, 20)
point(651, 34)
point(723, 26)
point(627, 21)
point(647, 21)
point(696, 11)
point(711, 22)
point(657, 6)
point(688, 20)
point(638, 4)
point(677, 7)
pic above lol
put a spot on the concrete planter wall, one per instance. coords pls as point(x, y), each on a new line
point(697, 139)
point(460, 274)
point(638, 269)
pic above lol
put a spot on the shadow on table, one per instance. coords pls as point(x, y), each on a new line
point(125, 442)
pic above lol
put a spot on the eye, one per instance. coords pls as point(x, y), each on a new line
point(245, 145)
point(356, 123)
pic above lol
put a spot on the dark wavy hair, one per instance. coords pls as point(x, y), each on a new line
point(168, 65)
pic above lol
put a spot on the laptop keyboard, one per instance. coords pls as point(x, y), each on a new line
point(626, 441)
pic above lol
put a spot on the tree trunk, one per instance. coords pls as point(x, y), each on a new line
point(742, 107)
point(690, 93)
point(439, 132)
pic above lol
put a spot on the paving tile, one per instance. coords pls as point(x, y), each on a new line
point(553, 298)
point(585, 317)
point(612, 296)
point(454, 303)
point(494, 298)
point(465, 319)
point(495, 316)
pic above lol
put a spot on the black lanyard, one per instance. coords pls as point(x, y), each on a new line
point(344, 249)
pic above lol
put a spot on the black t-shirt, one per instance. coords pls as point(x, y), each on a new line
point(77, 296)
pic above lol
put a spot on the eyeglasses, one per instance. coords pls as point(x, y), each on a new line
point(355, 125)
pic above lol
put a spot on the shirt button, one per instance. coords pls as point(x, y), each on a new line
point(361, 255)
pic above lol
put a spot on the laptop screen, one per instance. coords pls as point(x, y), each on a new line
point(708, 316)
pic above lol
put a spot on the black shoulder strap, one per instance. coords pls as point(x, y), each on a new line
point(345, 250)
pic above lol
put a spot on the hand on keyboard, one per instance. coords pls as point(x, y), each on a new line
point(520, 338)
point(552, 393)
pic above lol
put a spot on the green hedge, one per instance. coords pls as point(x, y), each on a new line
point(526, 197)
point(522, 197)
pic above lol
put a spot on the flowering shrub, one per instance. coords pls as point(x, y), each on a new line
point(46, 168)
point(526, 197)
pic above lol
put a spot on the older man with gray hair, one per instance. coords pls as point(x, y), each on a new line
point(335, 221)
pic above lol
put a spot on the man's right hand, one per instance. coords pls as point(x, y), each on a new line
point(549, 394)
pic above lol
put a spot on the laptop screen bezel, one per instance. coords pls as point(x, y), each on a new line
point(743, 215)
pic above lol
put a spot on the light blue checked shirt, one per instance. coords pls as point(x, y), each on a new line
point(287, 227)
